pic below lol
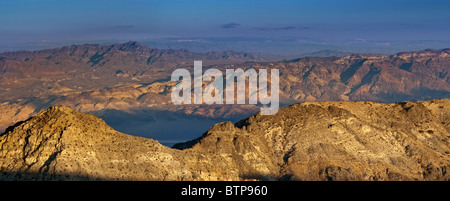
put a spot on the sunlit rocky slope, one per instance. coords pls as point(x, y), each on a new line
point(307, 141)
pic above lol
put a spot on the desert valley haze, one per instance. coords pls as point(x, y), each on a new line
point(361, 88)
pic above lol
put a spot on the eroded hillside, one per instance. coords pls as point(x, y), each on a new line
point(306, 141)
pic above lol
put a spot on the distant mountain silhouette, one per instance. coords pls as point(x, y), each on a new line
point(327, 53)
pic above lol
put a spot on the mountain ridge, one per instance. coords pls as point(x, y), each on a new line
point(121, 78)
point(93, 53)
point(306, 141)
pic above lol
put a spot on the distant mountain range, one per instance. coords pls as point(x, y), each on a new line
point(327, 53)
point(126, 83)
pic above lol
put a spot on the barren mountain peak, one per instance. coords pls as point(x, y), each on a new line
point(306, 141)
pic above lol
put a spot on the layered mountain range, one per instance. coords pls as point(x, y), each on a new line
point(307, 141)
point(126, 83)
point(48, 100)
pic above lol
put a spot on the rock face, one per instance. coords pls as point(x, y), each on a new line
point(306, 141)
point(60, 144)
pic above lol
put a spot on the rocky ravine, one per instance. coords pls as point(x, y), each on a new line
point(306, 141)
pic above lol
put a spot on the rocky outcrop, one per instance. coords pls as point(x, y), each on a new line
point(62, 144)
point(306, 141)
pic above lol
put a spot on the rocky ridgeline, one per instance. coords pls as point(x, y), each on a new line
point(306, 141)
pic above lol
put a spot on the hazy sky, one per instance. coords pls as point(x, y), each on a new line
point(34, 23)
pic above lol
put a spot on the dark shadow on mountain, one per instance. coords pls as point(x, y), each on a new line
point(422, 95)
point(11, 128)
point(368, 78)
point(242, 123)
point(262, 177)
point(41, 176)
point(308, 72)
point(406, 67)
point(350, 72)
point(188, 144)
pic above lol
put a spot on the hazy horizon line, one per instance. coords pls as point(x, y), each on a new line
point(192, 43)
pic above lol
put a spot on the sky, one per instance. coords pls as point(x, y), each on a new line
point(248, 25)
